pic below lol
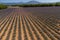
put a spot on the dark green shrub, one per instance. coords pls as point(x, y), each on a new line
point(2, 6)
point(57, 4)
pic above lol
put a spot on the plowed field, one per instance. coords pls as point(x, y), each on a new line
point(19, 24)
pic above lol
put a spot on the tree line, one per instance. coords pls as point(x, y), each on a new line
point(2, 6)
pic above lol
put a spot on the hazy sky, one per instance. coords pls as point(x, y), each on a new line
point(28, 0)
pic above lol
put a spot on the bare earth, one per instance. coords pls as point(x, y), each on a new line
point(18, 23)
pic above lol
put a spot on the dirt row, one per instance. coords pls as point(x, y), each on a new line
point(17, 26)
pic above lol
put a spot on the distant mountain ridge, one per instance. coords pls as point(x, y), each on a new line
point(30, 2)
point(33, 2)
point(12, 3)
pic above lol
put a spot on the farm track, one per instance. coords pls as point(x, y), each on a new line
point(18, 24)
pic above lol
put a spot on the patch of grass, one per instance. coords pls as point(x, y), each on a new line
point(3, 6)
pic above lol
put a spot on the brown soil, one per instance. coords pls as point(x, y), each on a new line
point(22, 24)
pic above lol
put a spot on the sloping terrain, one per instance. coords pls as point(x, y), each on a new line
point(20, 24)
